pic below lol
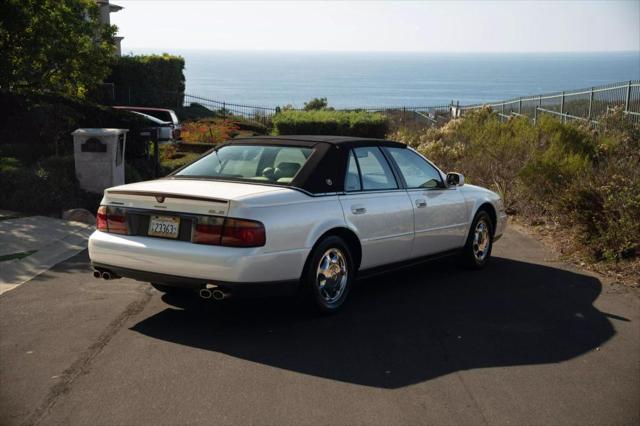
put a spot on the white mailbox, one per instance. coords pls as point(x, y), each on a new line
point(99, 158)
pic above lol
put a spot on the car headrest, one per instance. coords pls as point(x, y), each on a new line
point(286, 170)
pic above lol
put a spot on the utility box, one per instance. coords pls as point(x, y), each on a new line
point(99, 158)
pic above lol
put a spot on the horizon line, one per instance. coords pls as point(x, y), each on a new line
point(465, 52)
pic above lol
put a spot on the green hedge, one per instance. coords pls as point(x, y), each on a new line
point(36, 125)
point(326, 122)
point(149, 80)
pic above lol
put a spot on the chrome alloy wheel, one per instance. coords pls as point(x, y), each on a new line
point(332, 275)
point(481, 240)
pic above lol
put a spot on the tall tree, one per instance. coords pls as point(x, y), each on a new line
point(53, 45)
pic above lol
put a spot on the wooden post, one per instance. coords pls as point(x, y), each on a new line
point(520, 106)
point(535, 116)
point(156, 154)
point(562, 107)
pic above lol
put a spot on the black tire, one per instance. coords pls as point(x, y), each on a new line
point(168, 289)
point(329, 295)
point(470, 256)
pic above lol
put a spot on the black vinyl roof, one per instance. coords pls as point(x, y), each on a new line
point(325, 169)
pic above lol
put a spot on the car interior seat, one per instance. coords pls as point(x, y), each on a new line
point(285, 172)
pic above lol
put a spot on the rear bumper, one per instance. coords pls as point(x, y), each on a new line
point(195, 262)
point(257, 289)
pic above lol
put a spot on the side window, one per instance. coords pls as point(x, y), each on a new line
point(352, 180)
point(375, 171)
point(415, 170)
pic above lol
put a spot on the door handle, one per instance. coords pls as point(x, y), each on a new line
point(358, 210)
point(420, 203)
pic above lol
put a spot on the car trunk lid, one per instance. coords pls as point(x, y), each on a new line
point(191, 196)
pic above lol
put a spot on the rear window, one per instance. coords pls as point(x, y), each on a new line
point(255, 163)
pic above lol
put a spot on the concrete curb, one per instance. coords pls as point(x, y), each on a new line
point(55, 241)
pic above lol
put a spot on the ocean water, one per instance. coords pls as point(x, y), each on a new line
point(395, 79)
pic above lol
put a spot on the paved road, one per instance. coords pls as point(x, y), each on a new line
point(527, 341)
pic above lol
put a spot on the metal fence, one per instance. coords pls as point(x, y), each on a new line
point(588, 105)
point(418, 116)
point(227, 109)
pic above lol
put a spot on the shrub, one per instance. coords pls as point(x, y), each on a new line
point(604, 205)
point(48, 186)
point(169, 152)
point(131, 174)
point(251, 125)
point(316, 104)
point(178, 160)
point(588, 181)
point(40, 125)
point(325, 122)
point(209, 131)
point(194, 111)
point(9, 164)
point(488, 152)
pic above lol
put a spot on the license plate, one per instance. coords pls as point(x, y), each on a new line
point(164, 226)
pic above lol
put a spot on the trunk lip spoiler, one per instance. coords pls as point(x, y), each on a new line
point(166, 195)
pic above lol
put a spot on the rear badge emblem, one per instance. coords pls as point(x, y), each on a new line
point(329, 182)
point(160, 198)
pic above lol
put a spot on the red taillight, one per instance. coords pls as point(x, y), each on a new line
point(208, 230)
point(243, 233)
point(117, 223)
point(111, 219)
point(101, 219)
point(229, 232)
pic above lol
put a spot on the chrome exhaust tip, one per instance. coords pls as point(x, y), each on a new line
point(205, 293)
point(219, 294)
point(97, 274)
point(106, 275)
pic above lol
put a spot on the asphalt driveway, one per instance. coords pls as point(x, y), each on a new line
point(529, 340)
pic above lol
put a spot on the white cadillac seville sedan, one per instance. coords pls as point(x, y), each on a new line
point(274, 214)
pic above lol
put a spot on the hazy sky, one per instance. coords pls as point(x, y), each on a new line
point(429, 26)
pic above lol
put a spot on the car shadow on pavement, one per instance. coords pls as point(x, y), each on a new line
point(405, 327)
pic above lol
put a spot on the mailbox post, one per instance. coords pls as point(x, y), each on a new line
point(99, 158)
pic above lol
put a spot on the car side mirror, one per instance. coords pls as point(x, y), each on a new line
point(455, 179)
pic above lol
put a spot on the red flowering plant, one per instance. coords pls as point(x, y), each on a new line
point(209, 131)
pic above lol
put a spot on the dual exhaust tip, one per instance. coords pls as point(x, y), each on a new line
point(205, 293)
point(105, 275)
point(215, 294)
